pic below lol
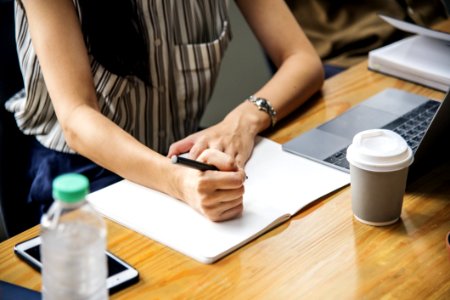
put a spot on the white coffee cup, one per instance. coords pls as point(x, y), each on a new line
point(379, 161)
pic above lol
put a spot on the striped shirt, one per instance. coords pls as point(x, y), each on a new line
point(187, 40)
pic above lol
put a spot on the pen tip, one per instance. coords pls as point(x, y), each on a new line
point(174, 159)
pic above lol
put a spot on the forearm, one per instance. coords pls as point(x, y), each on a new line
point(94, 136)
point(63, 57)
point(65, 65)
point(300, 72)
point(297, 79)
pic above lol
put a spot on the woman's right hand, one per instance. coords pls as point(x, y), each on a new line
point(216, 194)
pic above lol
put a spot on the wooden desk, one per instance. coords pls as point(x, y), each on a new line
point(321, 253)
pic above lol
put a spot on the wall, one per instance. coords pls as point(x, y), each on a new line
point(244, 70)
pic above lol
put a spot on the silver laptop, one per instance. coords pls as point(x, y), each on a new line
point(422, 122)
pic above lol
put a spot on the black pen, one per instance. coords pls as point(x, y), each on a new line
point(193, 163)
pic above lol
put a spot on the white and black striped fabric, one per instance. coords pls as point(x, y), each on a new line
point(187, 40)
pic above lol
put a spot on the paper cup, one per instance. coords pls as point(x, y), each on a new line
point(379, 161)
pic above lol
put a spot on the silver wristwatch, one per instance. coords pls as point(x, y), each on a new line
point(265, 106)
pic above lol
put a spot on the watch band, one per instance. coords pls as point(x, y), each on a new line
point(264, 105)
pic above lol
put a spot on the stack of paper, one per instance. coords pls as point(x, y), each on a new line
point(423, 58)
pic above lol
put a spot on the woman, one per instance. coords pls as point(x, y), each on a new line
point(118, 87)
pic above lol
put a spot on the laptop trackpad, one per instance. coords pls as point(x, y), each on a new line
point(316, 144)
point(357, 119)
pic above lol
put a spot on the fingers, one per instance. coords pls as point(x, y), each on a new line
point(237, 148)
point(231, 213)
point(222, 198)
point(224, 203)
point(240, 160)
point(219, 159)
point(180, 147)
point(217, 195)
point(197, 149)
point(224, 210)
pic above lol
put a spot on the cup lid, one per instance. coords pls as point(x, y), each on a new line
point(379, 150)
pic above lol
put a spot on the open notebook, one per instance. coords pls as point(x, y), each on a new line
point(279, 184)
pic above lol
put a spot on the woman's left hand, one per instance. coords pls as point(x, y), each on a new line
point(229, 136)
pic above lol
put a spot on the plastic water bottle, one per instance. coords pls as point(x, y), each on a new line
point(73, 244)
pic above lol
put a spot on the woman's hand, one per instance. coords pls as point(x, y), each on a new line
point(235, 135)
point(216, 194)
point(238, 145)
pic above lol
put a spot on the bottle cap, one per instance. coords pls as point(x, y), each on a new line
point(379, 150)
point(70, 187)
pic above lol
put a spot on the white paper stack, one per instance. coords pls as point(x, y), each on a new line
point(423, 58)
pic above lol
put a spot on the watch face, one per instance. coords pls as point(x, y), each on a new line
point(264, 105)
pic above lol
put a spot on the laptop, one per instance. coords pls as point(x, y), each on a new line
point(424, 124)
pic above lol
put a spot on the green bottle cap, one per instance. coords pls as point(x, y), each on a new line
point(70, 188)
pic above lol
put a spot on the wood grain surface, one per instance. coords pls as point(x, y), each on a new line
point(321, 253)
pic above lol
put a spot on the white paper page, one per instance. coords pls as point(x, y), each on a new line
point(413, 28)
point(416, 56)
point(277, 177)
point(278, 183)
point(175, 224)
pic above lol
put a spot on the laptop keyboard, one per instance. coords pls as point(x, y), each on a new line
point(339, 159)
point(411, 126)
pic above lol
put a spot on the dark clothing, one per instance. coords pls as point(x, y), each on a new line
point(343, 32)
point(46, 164)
